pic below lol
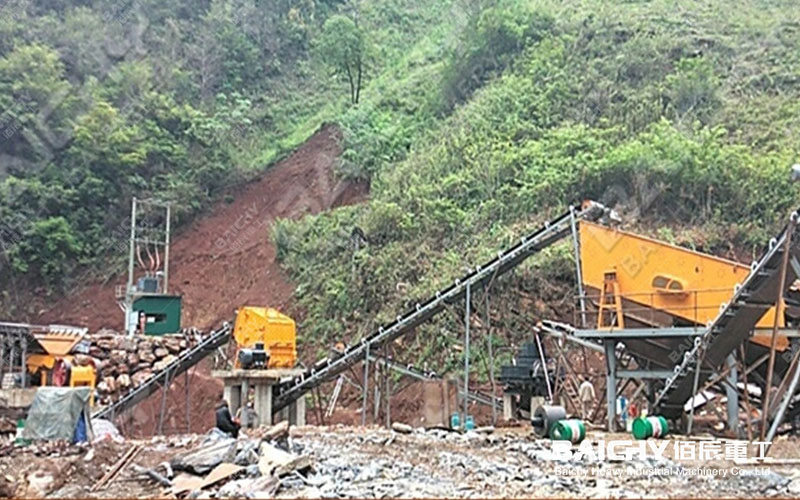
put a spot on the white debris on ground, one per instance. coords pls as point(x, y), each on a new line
point(356, 462)
point(376, 463)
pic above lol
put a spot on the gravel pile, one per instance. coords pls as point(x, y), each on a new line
point(377, 463)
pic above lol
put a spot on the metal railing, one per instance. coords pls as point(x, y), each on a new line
point(732, 325)
point(694, 306)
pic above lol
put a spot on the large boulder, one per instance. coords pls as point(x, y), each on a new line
point(173, 345)
point(133, 359)
point(205, 457)
point(123, 381)
point(98, 352)
point(106, 344)
point(160, 365)
point(118, 356)
point(146, 356)
point(141, 366)
point(140, 376)
point(125, 343)
point(110, 383)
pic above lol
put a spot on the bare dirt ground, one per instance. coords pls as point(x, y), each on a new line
point(225, 259)
point(142, 421)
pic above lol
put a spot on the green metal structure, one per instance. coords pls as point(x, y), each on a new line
point(162, 313)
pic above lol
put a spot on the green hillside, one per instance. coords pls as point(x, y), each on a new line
point(683, 114)
point(476, 120)
point(101, 101)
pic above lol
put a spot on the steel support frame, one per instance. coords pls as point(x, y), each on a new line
point(576, 246)
point(130, 291)
point(14, 344)
point(615, 371)
point(421, 312)
point(490, 342)
point(773, 340)
point(365, 389)
point(611, 383)
point(732, 395)
point(2, 358)
point(467, 311)
point(647, 374)
point(639, 333)
point(387, 378)
point(164, 389)
point(787, 398)
point(23, 370)
point(408, 370)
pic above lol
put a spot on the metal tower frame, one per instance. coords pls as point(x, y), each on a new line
point(142, 234)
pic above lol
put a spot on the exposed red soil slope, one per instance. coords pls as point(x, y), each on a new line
point(201, 397)
point(225, 259)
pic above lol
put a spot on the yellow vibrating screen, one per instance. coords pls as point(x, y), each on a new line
point(268, 326)
point(629, 271)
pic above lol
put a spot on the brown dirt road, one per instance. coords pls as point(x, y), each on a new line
point(225, 258)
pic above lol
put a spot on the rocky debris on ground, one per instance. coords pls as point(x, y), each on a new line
point(212, 452)
point(7, 426)
point(368, 463)
point(224, 467)
point(327, 462)
point(402, 428)
point(103, 429)
point(52, 449)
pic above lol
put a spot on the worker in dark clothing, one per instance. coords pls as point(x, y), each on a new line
point(225, 422)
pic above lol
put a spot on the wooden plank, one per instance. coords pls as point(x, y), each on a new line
point(277, 431)
point(185, 482)
point(127, 457)
point(220, 472)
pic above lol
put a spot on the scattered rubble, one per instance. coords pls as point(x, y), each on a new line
point(367, 463)
point(214, 451)
point(7, 426)
point(327, 462)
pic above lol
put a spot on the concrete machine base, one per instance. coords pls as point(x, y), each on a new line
point(237, 387)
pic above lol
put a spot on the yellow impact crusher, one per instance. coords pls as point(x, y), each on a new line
point(261, 330)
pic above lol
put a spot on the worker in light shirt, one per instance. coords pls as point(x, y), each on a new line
point(587, 396)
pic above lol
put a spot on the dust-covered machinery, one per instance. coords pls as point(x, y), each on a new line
point(265, 338)
point(683, 315)
point(252, 359)
point(528, 377)
point(632, 281)
point(45, 355)
point(545, 417)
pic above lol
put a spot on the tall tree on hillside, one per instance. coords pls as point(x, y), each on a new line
point(36, 102)
point(342, 47)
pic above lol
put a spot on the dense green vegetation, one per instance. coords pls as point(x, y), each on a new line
point(684, 114)
point(101, 101)
point(475, 121)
